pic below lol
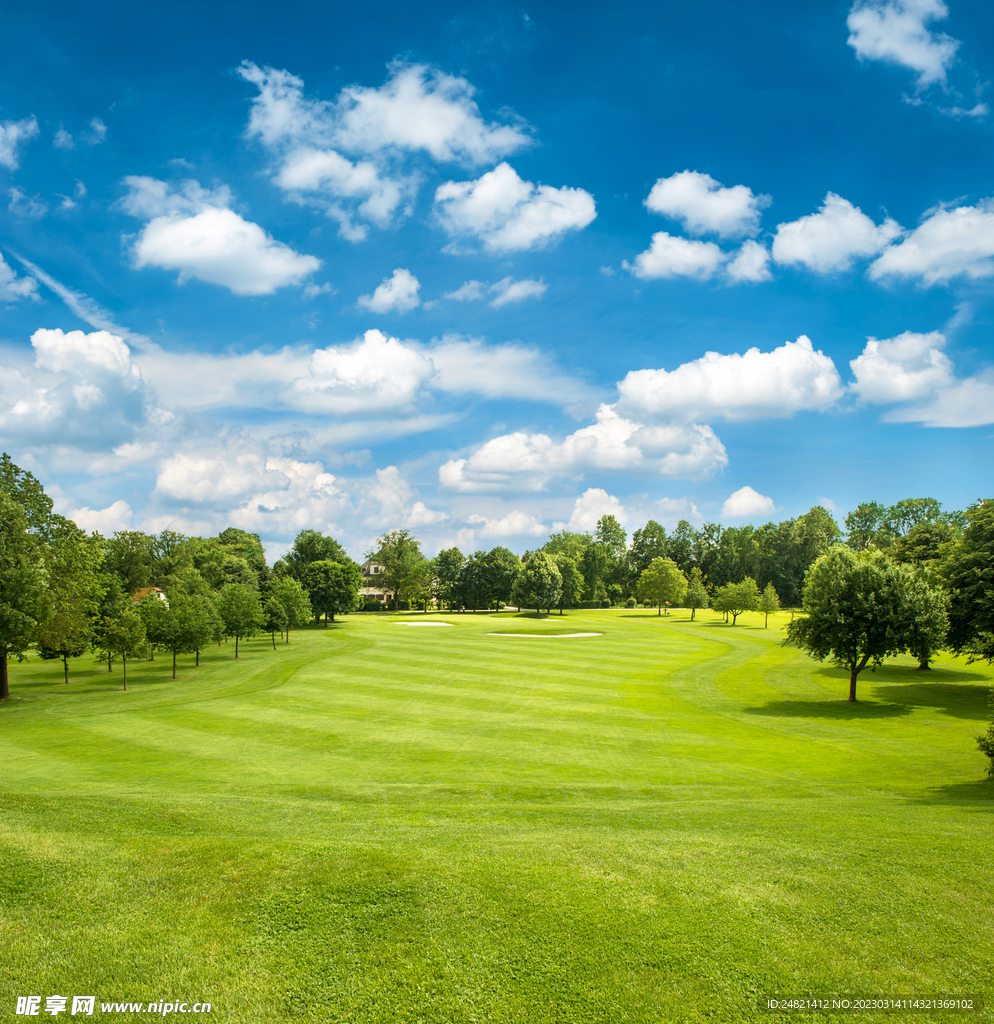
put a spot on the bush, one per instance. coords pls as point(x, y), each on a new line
point(631, 603)
point(985, 744)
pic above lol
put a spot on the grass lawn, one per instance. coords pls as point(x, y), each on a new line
point(381, 823)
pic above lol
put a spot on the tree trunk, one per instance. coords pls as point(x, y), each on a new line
point(124, 666)
point(198, 657)
point(693, 612)
point(735, 615)
point(109, 669)
point(924, 666)
point(4, 685)
point(766, 623)
point(274, 639)
point(236, 645)
point(659, 608)
point(287, 634)
point(65, 665)
point(174, 664)
point(854, 671)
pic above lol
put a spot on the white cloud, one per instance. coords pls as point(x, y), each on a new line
point(373, 375)
point(107, 521)
point(13, 136)
point(902, 369)
point(508, 214)
point(528, 462)
point(913, 369)
point(23, 205)
point(671, 256)
point(753, 385)
point(747, 502)
point(829, 239)
point(751, 263)
point(669, 511)
point(508, 290)
point(705, 206)
point(949, 243)
point(514, 524)
point(399, 292)
point(894, 31)
point(590, 506)
point(63, 140)
point(194, 232)
point(97, 132)
point(388, 501)
point(468, 291)
point(13, 287)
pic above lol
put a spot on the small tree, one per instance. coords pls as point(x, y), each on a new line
point(572, 581)
point(419, 584)
point(928, 618)
point(240, 609)
point(124, 636)
point(333, 588)
point(539, 585)
point(274, 618)
point(769, 602)
point(736, 598)
point(296, 604)
point(446, 565)
point(857, 606)
point(697, 595)
point(662, 583)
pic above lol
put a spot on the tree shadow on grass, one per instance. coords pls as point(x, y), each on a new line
point(956, 699)
point(979, 795)
point(838, 710)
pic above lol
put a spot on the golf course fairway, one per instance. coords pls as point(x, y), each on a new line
point(665, 822)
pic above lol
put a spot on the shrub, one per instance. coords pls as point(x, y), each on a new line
point(631, 603)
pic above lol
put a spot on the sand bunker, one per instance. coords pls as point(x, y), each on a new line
point(421, 623)
point(547, 636)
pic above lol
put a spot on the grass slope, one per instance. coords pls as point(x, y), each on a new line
point(379, 824)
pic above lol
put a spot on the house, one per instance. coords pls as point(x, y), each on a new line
point(142, 592)
point(372, 588)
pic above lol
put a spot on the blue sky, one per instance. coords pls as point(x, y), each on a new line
point(485, 272)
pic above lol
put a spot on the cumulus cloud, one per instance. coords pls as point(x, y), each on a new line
point(914, 370)
point(528, 462)
point(12, 287)
point(83, 388)
point(372, 375)
point(895, 31)
point(398, 292)
point(192, 231)
point(752, 385)
point(505, 291)
point(828, 240)
point(514, 524)
point(590, 506)
point(14, 135)
point(949, 243)
point(107, 521)
point(747, 502)
point(671, 256)
point(63, 140)
point(750, 263)
point(669, 511)
point(705, 206)
point(419, 109)
point(507, 214)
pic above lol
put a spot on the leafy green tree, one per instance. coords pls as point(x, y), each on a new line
point(925, 544)
point(158, 623)
point(697, 595)
point(446, 565)
point(23, 582)
point(595, 564)
point(501, 569)
point(648, 544)
point(274, 618)
point(539, 585)
point(419, 584)
point(125, 637)
point(130, 556)
point(311, 546)
point(472, 588)
point(333, 588)
point(398, 552)
point(905, 515)
point(858, 606)
point(296, 604)
point(201, 622)
point(75, 588)
point(736, 598)
point(680, 546)
point(769, 602)
point(928, 617)
point(567, 543)
point(241, 611)
point(572, 582)
point(662, 583)
point(612, 535)
point(969, 575)
point(864, 524)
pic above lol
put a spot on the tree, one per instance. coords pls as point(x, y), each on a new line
point(594, 563)
point(969, 575)
point(397, 552)
point(471, 589)
point(857, 608)
point(333, 588)
point(202, 624)
point(419, 584)
point(274, 618)
point(769, 602)
point(446, 565)
point(129, 555)
point(864, 523)
point(501, 569)
point(572, 582)
point(539, 585)
point(125, 637)
point(75, 588)
point(648, 544)
point(240, 610)
point(928, 617)
point(296, 604)
point(23, 582)
point(662, 583)
point(736, 598)
point(311, 546)
point(611, 534)
point(26, 491)
point(697, 595)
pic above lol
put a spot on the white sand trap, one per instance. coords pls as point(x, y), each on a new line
point(421, 623)
point(547, 636)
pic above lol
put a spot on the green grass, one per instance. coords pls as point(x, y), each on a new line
point(380, 823)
